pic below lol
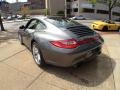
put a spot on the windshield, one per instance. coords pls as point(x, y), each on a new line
point(62, 22)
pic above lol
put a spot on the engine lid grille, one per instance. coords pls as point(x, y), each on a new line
point(81, 31)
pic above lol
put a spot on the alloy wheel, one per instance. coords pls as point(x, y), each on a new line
point(36, 54)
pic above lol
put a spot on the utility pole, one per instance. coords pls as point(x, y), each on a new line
point(79, 7)
point(65, 8)
point(49, 3)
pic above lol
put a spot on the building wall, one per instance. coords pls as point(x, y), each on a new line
point(4, 7)
point(37, 4)
point(55, 5)
point(99, 11)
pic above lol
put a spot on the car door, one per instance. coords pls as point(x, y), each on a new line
point(112, 26)
point(28, 32)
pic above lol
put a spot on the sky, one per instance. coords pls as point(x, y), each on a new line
point(12, 1)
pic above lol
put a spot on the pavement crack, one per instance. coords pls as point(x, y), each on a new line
point(56, 86)
point(34, 80)
point(18, 70)
point(11, 56)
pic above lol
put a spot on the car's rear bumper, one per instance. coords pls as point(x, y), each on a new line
point(69, 59)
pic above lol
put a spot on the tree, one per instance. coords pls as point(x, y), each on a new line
point(93, 2)
point(25, 10)
point(110, 3)
point(1, 24)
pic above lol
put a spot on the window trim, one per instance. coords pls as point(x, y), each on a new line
point(43, 24)
point(26, 27)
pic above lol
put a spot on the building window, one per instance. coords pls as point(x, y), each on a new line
point(75, 9)
point(102, 11)
point(87, 10)
point(68, 11)
point(68, 0)
point(116, 13)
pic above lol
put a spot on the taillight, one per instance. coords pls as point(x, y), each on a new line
point(72, 43)
point(69, 44)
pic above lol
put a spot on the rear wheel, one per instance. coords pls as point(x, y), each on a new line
point(37, 55)
point(119, 29)
point(105, 28)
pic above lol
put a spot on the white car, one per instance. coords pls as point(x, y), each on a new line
point(9, 18)
point(78, 17)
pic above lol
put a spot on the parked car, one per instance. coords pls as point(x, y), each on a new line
point(19, 17)
point(3, 17)
point(9, 18)
point(105, 25)
point(59, 41)
point(81, 17)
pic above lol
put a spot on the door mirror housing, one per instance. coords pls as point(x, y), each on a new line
point(22, 27)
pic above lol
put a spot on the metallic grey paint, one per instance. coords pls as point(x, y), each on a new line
point(60, 56)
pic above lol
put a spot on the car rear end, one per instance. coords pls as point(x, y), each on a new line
point(82, 44)
point(89, 43)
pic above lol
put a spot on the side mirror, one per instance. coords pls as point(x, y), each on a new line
point(22, 27)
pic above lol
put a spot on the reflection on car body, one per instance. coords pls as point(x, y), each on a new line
point(59, 41)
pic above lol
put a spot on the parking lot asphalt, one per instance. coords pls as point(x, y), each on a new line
point(18, 70)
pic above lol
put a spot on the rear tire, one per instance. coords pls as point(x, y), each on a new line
point(105, 28)
point(119, 29)
point(37, 55)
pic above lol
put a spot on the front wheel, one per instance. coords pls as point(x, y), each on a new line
point(37, 55)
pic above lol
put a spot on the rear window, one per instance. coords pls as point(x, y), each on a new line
point(62, 22)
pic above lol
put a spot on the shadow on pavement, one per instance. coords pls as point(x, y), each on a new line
point(108, 32)
point(89, 74)
point(5, 36)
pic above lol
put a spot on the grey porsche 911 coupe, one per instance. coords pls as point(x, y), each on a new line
point(59, 41)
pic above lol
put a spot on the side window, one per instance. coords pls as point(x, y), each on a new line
point(40, 25)
point(32, 24)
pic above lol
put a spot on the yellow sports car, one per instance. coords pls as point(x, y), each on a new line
point(105, 25)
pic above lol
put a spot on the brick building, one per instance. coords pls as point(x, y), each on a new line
point(37, 4)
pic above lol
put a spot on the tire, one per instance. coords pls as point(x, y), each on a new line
point(119, 29)
point(20, 39)
point(37, 55)
point(105, 28)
